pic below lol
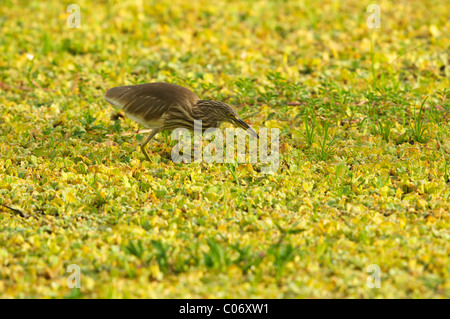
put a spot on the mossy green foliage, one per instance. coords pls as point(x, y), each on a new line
point(364, 164)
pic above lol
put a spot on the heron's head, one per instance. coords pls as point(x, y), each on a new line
point(226, 113)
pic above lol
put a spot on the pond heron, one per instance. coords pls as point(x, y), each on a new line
point(164, 106)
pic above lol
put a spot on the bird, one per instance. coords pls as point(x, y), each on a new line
point(166, 106)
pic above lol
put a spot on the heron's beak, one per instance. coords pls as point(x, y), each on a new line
point(240, 123)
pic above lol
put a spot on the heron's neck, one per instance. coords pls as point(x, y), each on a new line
point(203, 112)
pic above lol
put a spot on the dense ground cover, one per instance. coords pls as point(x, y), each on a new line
point(364, 151)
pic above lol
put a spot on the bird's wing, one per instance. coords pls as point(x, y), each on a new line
point(150, 101)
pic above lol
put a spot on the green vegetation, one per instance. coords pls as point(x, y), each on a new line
point(364, 151)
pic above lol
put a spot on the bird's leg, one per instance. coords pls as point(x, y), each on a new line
point(153, 133)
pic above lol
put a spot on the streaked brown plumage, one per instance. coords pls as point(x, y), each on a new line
point(164, 106)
